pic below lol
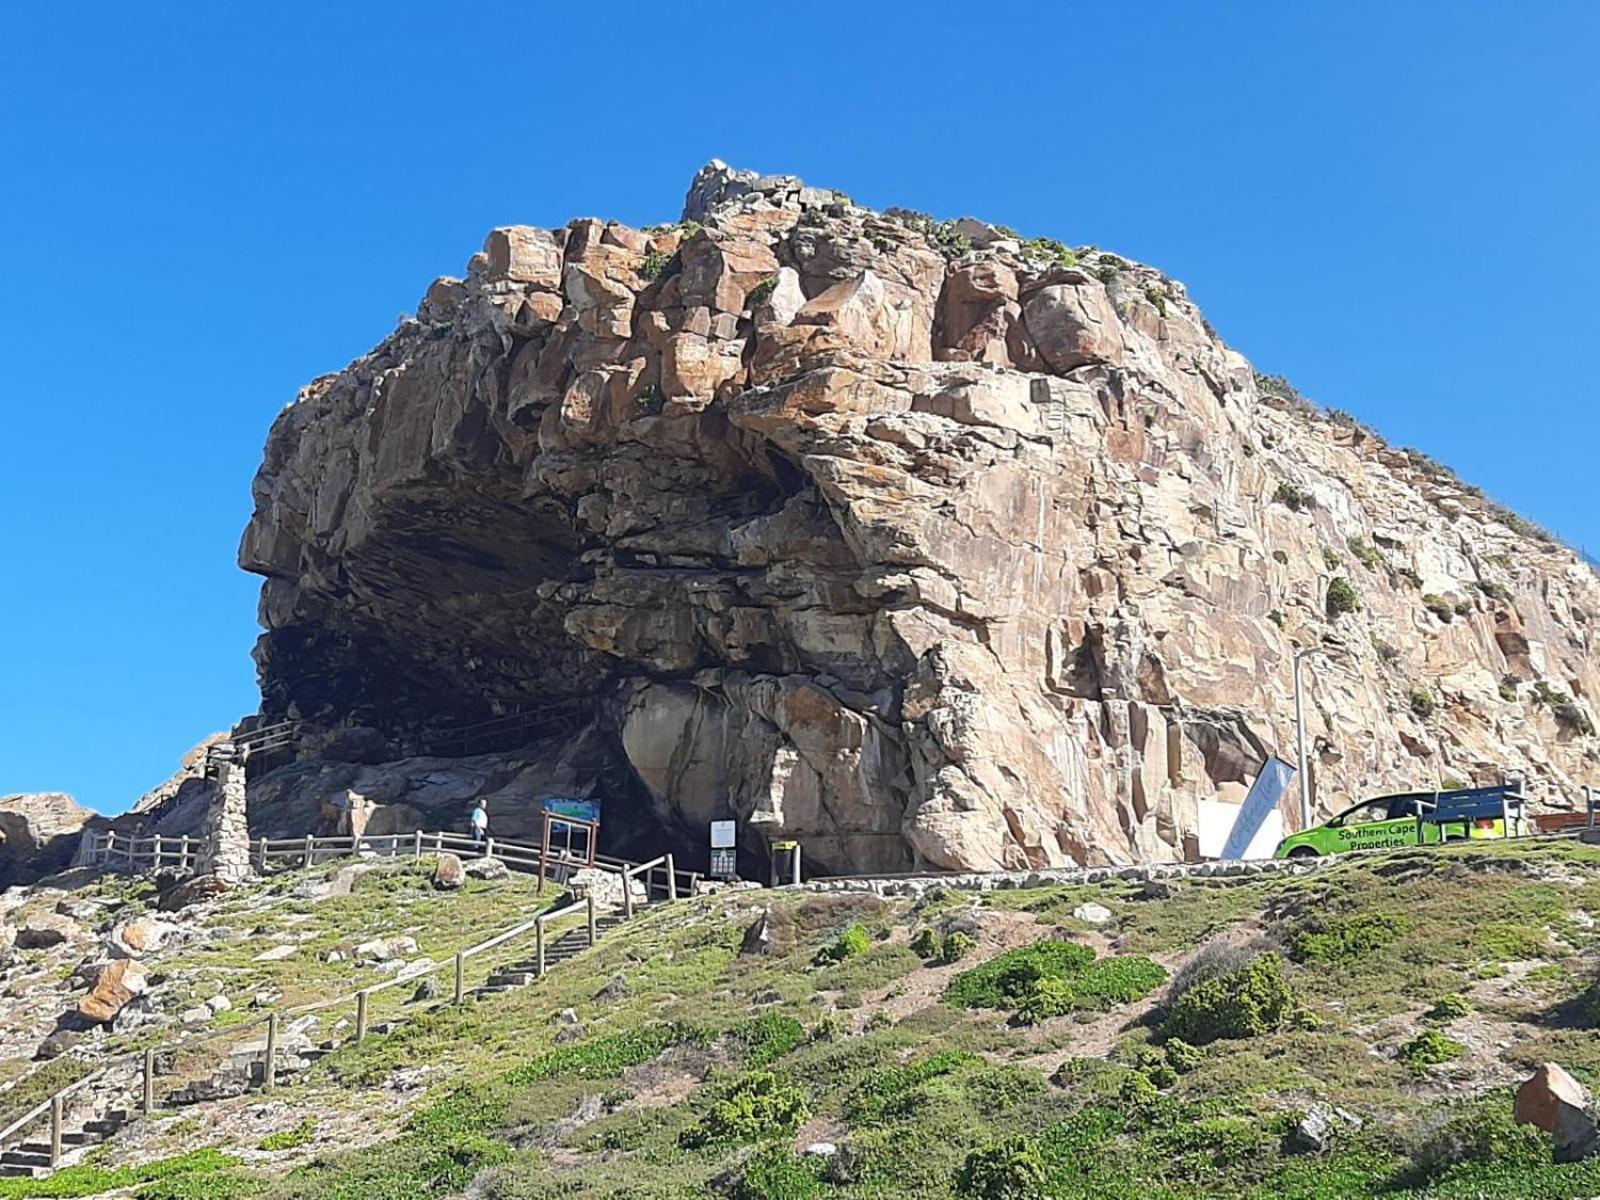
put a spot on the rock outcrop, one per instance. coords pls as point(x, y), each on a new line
point(39, 835)
point(916, 541)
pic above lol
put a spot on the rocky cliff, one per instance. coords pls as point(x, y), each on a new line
point(915, 540)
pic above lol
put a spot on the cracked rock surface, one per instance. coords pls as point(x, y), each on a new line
point(916, 541)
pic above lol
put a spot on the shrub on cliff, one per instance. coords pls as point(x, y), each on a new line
point(1009, 1170)
point(1244, 1002)
point(1342, 598)
point(759, 1105)
point(852, 942)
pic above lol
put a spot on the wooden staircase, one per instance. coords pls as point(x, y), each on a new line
point(32, 1160)
point(523, 972)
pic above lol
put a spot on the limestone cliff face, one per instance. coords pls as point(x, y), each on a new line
point(912, 540)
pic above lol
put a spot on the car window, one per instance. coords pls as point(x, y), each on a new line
point(1376, 810)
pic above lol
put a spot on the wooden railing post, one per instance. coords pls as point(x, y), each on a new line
point(488, 847)
point(627, 893)
point(416, 848)
point(183, 854)
point(672, 879)
point(148, 1089)
point(56, 1107)
point(156, 865)
point(311, 848)
point(361, 1015)
point(267, 1079)
point(589, 904)
point(461, 976)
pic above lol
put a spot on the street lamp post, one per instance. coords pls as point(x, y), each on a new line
point(1303, 766)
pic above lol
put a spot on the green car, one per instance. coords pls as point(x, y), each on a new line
point(1413, 819)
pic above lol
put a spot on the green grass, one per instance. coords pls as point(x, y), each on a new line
point(198, 1174)
point(523, 1107)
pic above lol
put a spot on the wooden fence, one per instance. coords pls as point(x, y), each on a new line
point(660, 876)
point(143, 1063)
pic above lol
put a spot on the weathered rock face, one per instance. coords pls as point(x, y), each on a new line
point(39, 835)
point(913, 541)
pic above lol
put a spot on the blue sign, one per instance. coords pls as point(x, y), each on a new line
point(571, 806)
point(1265, 793)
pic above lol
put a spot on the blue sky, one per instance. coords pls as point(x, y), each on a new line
point(204, 206)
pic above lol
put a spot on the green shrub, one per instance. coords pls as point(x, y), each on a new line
point(761, 291)
point(1342, 598)
point(1050, 250)
point(1157, 297)
point(767, 1037)
point(1439, 607)
point(1244, 1002)
point(1429, 1048)
point(883, 1091)
point(1004, 980)
point(1151, 1062)
point(1291, 497)
point(1365, 552)
point(1449, 1007)
point(956, 946)
point(602, 1057)
point(1051, 978)
point(1182, 1056)
point(654, 264)
point(1008, 1170)
point(288, 1139)
point(1480, 1131)
point(1422, 702)
point(1511, 941)
point(853, 942)
point(199, 1173)
point(758, 1105)
point(996, 1089)
point(1330, 558)
point(1340, 941)
point(1409, 576)
point(1045, 998)
point(776, 1174)
point(827, 1029)
point(926, 944)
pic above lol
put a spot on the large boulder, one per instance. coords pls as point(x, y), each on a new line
point(41, 930)
point(1552, 1100)
point(113, 985)
point(139, 936)
point(449, 873)
point(604, 886)
point(39, 835)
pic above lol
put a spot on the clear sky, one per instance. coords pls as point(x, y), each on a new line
point(203, 206)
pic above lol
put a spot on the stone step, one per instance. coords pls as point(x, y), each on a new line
point(13, 1171)
point(25, 1158)
point(105, 1127)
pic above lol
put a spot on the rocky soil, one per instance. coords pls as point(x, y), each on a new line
point(918, 541)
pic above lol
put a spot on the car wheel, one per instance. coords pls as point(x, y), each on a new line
point(1302, 852)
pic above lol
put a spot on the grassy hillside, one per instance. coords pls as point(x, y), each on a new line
point(994, 1047)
